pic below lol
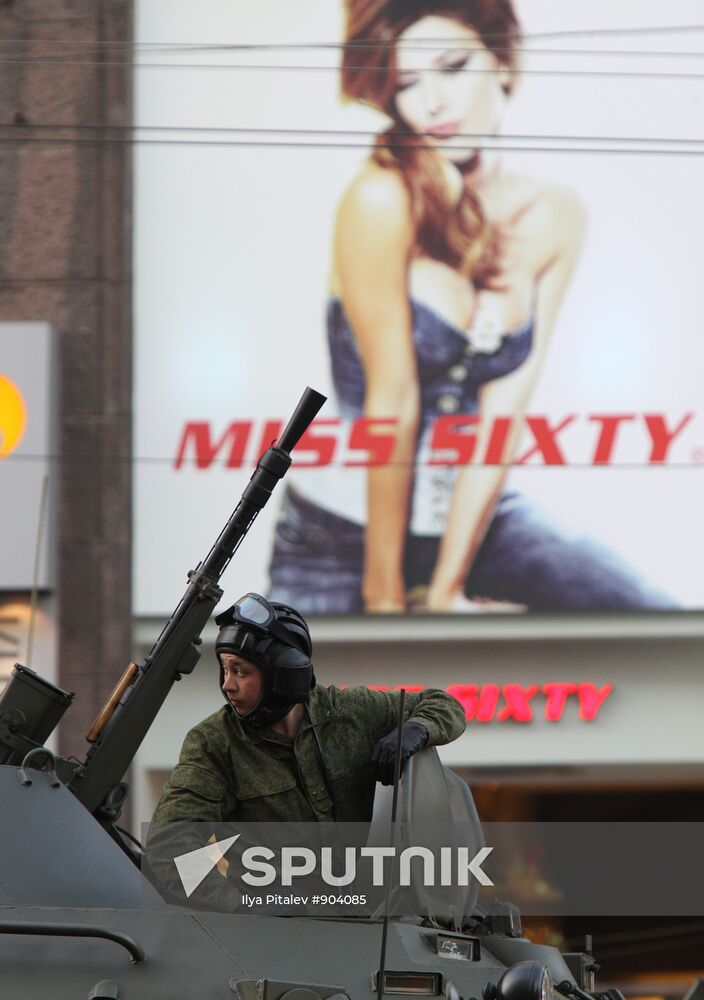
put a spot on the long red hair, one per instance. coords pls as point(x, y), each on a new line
point(457, 233)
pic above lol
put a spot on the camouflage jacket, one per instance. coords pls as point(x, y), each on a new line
point(230, 772)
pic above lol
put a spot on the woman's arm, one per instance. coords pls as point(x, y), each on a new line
point(373, 243)
point(479, 487)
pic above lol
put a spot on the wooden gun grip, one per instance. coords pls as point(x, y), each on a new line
point(109, 707)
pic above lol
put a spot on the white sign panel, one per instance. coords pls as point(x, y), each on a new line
point(27, 446)
point(489, 260)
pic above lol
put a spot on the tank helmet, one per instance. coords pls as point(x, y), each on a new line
point(276, 638)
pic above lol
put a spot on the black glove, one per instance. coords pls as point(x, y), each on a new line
point(414, 736)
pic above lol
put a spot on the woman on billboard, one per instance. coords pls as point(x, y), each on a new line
point(447, 277)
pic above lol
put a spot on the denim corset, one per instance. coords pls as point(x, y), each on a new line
point(450, 369)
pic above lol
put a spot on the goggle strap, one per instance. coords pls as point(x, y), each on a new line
point(282, 634)
point(251, 637)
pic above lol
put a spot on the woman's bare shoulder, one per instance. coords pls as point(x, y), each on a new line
point(563, 202)
point(554, 215)
point(560, 205)
point(541, 197)
point(377, 195)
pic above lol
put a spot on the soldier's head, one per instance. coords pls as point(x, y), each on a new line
point(264, 650)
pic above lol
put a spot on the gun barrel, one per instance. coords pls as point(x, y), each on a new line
point(126, 720)
point(308, 406)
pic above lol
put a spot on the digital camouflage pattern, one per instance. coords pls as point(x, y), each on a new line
point(228, 771)
point(231, 772)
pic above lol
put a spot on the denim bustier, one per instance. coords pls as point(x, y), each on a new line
point(450, 369)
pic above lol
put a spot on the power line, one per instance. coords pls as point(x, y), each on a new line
point(675, 29)
point(604, 32)
point(247, 464)
point(368, 134)
point(360, 46)
point(258, 67)
point(259, 144)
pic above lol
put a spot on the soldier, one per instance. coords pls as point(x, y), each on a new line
point(285, 749)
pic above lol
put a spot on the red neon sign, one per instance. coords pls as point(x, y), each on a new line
point(519, 702)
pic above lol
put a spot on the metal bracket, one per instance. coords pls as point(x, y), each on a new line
point(111, 806)
point(207, 587)
point(106, 989)
point(28, 762)
point(11, 721)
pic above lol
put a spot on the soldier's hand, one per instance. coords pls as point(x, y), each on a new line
point(414, 736)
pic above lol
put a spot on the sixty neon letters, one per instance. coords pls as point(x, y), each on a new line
point(523, 703)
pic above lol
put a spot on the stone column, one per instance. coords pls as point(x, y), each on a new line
point(65, 257)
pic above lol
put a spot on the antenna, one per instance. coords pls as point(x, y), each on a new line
point(394, 803)
point(35, 575)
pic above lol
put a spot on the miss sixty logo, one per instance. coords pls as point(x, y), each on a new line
point(457, 439)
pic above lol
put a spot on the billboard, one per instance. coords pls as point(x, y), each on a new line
point(487, 256)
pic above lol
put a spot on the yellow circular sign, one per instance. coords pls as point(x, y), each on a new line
point(13, 416)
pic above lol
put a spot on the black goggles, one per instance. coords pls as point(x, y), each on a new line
point(257, 615)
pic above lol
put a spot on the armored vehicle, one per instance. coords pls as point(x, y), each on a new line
point(78, 920)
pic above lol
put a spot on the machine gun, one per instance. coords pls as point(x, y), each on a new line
point(30, 707)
